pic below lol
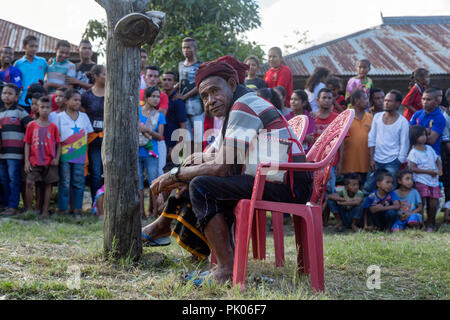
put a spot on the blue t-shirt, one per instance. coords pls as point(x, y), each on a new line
point(161, 120)
point(31, 73)
point(433, 120)
point(373, 199)
point(410, 202)
point(11, 75)
point(176, 114)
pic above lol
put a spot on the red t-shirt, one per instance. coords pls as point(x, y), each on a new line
point(163, 100)
point(281, 76)
point(321, 125)
point(413, 99)
point(42, 141)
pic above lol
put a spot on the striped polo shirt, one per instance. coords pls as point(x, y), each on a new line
point(13, 122)
point(255, 126)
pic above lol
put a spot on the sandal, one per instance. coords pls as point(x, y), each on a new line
point(160, 242)
point(198, 278)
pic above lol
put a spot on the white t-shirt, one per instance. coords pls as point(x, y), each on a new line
point(424, 160)
point(74, 137)
point(390, 141)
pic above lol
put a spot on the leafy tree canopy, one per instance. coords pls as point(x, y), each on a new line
point(218, 26)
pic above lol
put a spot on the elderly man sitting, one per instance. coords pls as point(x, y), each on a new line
point(204, 195)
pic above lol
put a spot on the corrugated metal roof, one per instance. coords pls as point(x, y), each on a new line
point(397, 47)
point(12, 35)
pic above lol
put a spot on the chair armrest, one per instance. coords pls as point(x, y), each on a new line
point(294, 166)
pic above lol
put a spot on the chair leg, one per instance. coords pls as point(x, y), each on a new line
point(242, 241)
point(305, 241)
point(300, 245)
point(318, 234)
point(259, 235)
point(278, 238)
point(312, 253)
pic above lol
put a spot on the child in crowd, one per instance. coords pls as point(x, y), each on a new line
point(431, 118)
point(13, 120)
point(42, 152)
point(97, 207)
point(31, 67)
point(74, 127)
point(335, 85)
point(59, 101)
point(314, 84)
point(376, 101)
point(356, 150)
point(361, 81)
point(9, 73)
point(324, 117)
point(152, 123)
point(382, 204)
point(420, 80)
point(35, 105)
point(410, 202)
point(426, 167)
point(347, 204)
point(300, 106)
point(252, 81)
point(60, 68)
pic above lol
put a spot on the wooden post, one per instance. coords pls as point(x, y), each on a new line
point(122, 222)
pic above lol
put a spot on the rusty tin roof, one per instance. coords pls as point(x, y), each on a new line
point(12, 35)
point(397, 47)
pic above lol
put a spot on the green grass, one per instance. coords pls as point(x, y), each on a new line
point(35, 258)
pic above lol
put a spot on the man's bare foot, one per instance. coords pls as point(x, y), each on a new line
point(221, 274)
point(368, 228)
point(355, 228)
point(157, 229)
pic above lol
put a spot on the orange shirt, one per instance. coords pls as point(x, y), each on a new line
point(356, 150)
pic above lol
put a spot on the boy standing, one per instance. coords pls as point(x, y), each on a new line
point(59, 101)
point(9, 73)
point(383, 204)
point(13, 120)
point(187, 70)
point(31, 67)
point(431, 118)
point(42, 152)
point(60, 68)
point(356, 157)
point(388, 140)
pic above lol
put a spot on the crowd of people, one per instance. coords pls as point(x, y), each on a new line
point(391, 169)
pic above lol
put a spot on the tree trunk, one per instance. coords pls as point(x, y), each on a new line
point(122, 222)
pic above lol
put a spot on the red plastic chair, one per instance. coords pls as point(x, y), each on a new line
point(307, 218)
point(299, 125)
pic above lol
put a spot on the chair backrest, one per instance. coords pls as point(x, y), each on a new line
point(299, 125)
point(325, 149)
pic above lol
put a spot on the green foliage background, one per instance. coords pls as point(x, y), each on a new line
point(218, 25)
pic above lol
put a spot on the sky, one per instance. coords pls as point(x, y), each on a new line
point(323, 19)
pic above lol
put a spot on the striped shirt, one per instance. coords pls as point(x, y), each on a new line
point(257, 128)
point(13, 122)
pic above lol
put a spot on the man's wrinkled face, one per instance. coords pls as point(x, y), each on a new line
point(217, 95)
